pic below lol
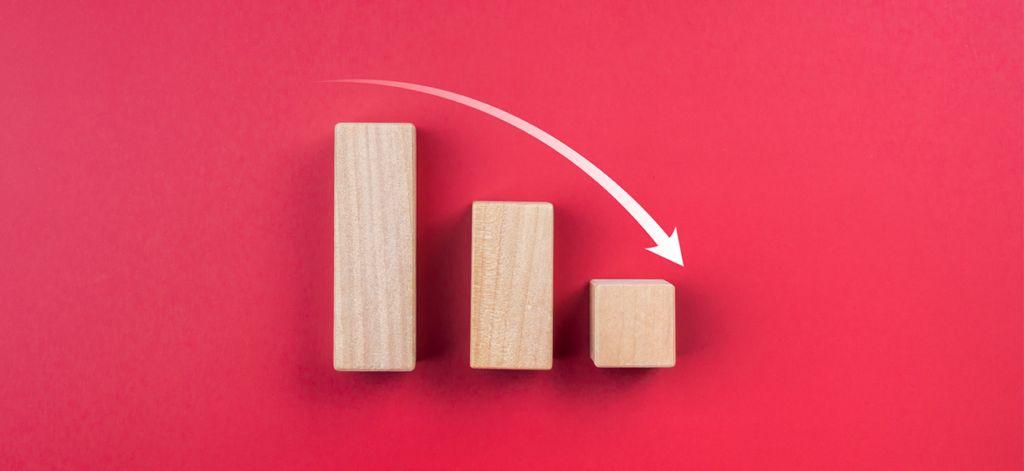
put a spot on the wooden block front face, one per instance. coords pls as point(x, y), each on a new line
point(632, 323)
point(511, 304)
point(374, 247)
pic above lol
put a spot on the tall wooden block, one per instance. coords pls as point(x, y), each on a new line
point(633, 323)
point(511, 303)
point(374, 247)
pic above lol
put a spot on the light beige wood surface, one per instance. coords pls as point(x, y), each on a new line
point(374, 247)
point(511, 304)
point(632, 323)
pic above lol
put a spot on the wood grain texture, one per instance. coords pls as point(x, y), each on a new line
point(511, 301)
point(374, 247)
point(632, 323)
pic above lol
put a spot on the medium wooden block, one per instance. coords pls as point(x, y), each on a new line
point(633, 323)
point(374, 247)
point(511, 304)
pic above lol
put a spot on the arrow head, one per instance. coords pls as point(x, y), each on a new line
point(669, 248)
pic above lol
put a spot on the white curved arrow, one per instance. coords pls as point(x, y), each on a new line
point(667, 246)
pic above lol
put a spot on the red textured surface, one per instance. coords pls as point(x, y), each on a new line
point(846, 180)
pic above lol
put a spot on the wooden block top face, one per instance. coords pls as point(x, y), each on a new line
point(374, 247)
point(632, 323)
point(511, 301)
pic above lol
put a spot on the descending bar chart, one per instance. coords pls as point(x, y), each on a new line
point(632, 322)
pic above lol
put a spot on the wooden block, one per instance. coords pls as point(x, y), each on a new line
point(374, 247)
point(511, 302)
point(633, 323)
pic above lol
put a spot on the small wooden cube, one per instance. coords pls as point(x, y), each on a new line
point(511, 301)
point(632, 323)
point(374, 247)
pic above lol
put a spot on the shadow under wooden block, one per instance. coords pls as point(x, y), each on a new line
point(511, 301)
point(632, 323)
point(374, 247)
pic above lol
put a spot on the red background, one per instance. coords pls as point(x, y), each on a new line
point(846, 180)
